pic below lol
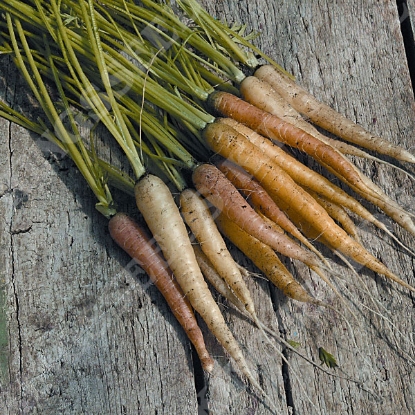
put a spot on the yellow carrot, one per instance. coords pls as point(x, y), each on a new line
point(277, 129)
point(227, 142)
point(265, 259)
point(310, 179)
point(261, 201)
point(216, 188)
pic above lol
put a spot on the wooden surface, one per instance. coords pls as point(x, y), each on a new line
point(80, 333)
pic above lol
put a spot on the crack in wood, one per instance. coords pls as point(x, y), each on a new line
point(408, 37)
point(13, 278)
point(201, 385)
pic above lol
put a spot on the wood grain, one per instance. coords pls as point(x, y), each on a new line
point(88, 335)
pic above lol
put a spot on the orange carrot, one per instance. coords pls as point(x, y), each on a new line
point(308, 178)
point(212, 184)
point(227, 142)
point(277, 129)
point(135, 241)
point(326, 117)
point(261, 200)
point(216, 188)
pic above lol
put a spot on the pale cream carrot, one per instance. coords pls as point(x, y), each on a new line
point(326, 117)
point(157, 205)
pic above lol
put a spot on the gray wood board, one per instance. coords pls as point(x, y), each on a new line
point(85, 335)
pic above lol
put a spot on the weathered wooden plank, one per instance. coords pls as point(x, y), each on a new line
point(86, 336)
point(352, 57)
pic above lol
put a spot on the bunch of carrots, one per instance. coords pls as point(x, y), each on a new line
point(192, 110)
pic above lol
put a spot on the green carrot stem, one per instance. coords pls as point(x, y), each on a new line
point(148, 122)
point(95, 41)
point(156, 15)
point(215, 29)
point(62, 138)
point(89, 93)
point(42, 95)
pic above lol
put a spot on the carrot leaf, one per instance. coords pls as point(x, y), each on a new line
point(327, 358)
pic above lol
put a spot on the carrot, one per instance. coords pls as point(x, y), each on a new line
point(217, 282)
point(261, 94)
point(277, 129)
point(261, 201)
point(199, 219)
point(219, 191)
point(297, 170)
point(210, 273)
point(326, 117)
point(162, 216)
point(338, 213)
point(265, 259)
point(310, 179)
point(212, 184)
point(227, 142)
point(135, 241)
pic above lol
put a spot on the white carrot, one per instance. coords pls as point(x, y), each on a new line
point(326, 117)
point(216, 280)
point(261, 94)
point(156, 204)
point(199, 219)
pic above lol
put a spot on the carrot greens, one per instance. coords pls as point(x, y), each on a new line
point(159, 86)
